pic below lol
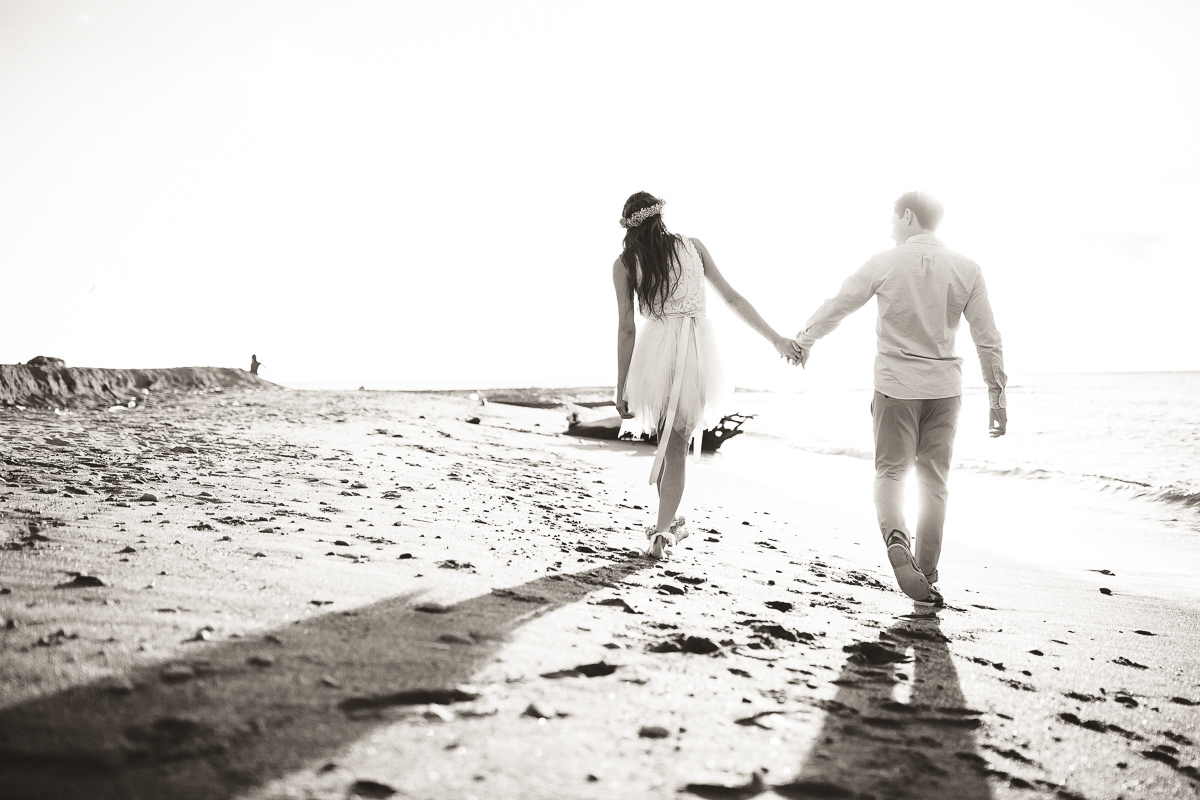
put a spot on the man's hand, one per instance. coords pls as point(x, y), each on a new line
point(997, 422)
point(802, 355)
point(798, 354)
point(623, 409)
point(801, 352)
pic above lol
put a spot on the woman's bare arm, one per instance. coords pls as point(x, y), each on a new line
point(742, 307)
point(626, 333)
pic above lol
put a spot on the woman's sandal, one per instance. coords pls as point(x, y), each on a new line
point(679, 531)
point(659, 542)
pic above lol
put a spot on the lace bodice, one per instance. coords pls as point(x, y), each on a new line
point(687, 290)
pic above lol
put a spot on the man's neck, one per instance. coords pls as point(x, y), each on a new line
point(918, 232)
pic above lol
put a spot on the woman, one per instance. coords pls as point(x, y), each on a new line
point(669, 376)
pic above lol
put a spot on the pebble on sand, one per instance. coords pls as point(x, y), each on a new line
point(653, 732)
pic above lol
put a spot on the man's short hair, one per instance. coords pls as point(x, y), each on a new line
point(926, 208)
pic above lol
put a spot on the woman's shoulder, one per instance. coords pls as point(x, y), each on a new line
point(620, 271)
point(695, 246)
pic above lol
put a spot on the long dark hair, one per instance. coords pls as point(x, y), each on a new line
point(651, 246)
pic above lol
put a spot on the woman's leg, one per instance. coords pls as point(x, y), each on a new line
point(673, 478)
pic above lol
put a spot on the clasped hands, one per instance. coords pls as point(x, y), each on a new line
point(791, 351)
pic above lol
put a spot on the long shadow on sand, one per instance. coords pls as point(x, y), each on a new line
point(253, 710)
point(877, 743)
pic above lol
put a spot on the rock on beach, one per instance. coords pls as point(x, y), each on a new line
point(46, 382)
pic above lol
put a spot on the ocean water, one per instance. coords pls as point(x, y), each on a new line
point(1133, 436)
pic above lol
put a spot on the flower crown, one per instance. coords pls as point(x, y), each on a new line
point(638, 217)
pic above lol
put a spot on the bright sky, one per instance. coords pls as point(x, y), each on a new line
point(398, 194)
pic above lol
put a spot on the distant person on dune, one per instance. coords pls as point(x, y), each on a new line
point(924, 291)
point(669, 375)
point(254, 364)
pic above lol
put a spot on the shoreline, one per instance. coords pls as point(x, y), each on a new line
point(358, 592)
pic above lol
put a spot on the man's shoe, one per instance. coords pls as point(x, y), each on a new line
point(935, 599)
point(911, 580)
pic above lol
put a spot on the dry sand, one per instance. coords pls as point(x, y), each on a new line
point(300, 594)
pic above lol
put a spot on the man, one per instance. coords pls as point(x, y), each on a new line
point(924, 290)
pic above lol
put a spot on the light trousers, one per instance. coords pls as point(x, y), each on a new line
point(916, 433)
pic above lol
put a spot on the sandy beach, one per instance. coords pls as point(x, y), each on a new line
point(289, 594)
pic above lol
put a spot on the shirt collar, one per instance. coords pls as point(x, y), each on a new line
point(923, 238)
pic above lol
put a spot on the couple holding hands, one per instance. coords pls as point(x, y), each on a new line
point(668, 372)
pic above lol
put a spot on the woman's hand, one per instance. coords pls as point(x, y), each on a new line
point(623, 409)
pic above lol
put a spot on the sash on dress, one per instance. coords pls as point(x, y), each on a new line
point(688, 334)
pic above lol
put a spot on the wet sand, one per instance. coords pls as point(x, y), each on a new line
point(410, 595)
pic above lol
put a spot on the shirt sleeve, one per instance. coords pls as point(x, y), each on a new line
point(978, 313)
point(855, 292)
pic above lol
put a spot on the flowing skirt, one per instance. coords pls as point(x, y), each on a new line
point(656, 354)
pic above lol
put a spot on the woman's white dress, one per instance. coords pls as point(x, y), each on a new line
point(674, 382)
